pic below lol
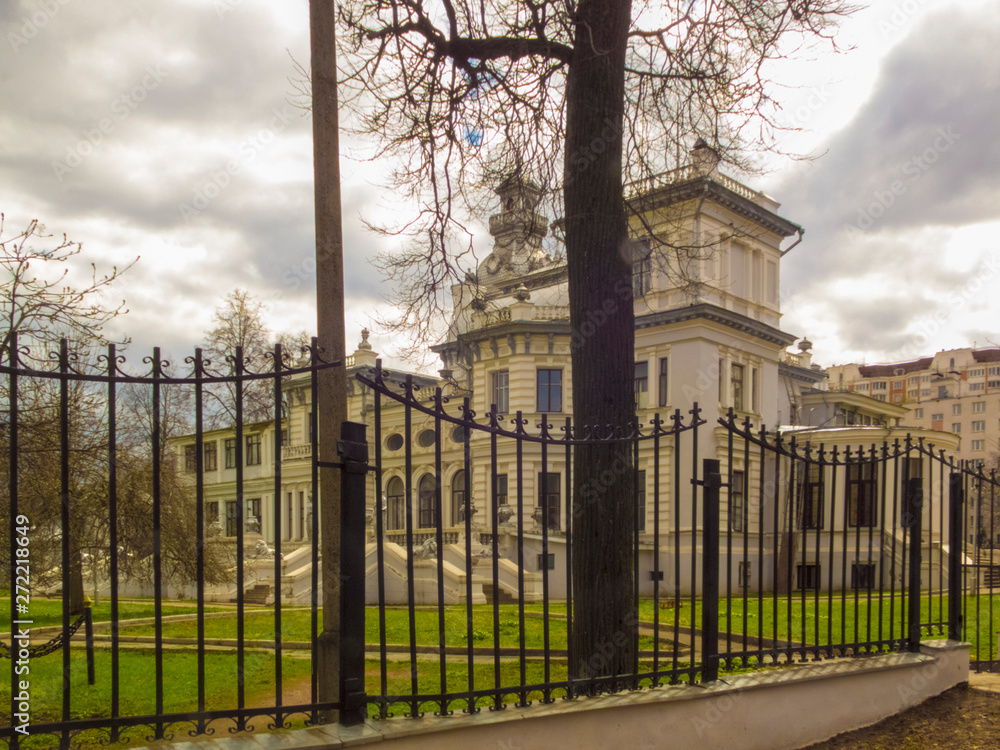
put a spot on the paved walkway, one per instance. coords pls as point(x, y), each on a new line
point(985, 681)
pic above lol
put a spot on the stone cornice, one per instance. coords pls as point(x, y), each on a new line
point(801, 373)
point(705, 187)
point(715, 314)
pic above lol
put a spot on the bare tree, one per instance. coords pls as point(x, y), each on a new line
point(576, 96)
point(39, 303)
point(239, 325)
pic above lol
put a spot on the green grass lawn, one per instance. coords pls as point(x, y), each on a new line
point(832, 620)
point(48, 612)
point(843, 618)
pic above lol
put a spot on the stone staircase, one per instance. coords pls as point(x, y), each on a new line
point(991, 574)
point(258, 595)
point(504, 598)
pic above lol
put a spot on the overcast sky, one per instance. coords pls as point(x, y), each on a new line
point(168, 130)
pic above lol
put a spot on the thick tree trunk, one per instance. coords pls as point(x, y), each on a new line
point(600, 273)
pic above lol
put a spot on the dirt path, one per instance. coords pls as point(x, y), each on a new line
point(959, 719)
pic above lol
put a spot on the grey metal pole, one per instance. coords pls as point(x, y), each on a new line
point(332, 382)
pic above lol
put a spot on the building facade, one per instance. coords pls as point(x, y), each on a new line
point(706, 253)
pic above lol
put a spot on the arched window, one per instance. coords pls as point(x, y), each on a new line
point(458, 498)
point(428, 501)
point(395, 500)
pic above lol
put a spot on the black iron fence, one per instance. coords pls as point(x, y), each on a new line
point(752, 548)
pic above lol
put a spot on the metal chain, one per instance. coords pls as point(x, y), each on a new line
point(46, 648)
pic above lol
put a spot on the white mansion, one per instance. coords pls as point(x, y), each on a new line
point(708, 330)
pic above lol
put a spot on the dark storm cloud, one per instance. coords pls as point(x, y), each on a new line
point(108, 92)
point(920, 160)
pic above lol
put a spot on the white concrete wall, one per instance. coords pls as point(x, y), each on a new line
point(774, 710)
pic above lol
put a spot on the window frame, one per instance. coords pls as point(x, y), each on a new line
point(663, 382)
point(552, 390)
point(550, 483)
point(500, 392)
point(640, 383)
point(427, 502)
point(395, 505)
point(862, 506)
point(253, 443)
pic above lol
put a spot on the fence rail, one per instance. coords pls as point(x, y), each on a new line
point(751, 549)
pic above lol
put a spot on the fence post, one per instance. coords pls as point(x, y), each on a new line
point(710, 571)
point(956, 507)
point(353, 451)
point(914, 504)
point(88, 631)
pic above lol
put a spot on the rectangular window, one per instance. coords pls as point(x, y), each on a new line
point(190, 458)
point(811, 498)
point(861, 510)
point(937, 418)
point(978, 445)
point(975, 386)
point(211, 513)
point(253, 450)
point(230, 448)
point(641, 381)
point(642, 276)
point(979, 425)
point(640, 492)
point(663, 394)
point(211, 456)
point(913, 467)
point(863, 576)
point(549, 487)
point(737, 502)
point(918, 413)
point(925, 393)
point(500, 489)
point(978, 407)
point(879, 386)
point(745, 571)
point(754, 390)
point(253, 515)
point(232, 517)
point(549, 390)
point(736, 375)
point(807, 577)
point(956, 427)
point(722, 380)
point(500, 390)
point(956, 410)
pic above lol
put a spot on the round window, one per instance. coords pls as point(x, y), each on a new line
point(459, 433)
point(394, 442)
point(427, 438)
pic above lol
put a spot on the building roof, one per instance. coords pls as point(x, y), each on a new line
point(890, 370)
point(986, 355)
